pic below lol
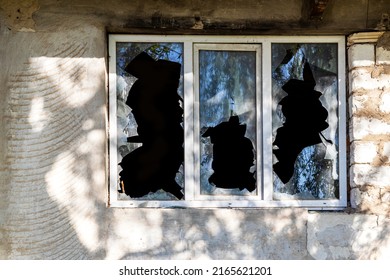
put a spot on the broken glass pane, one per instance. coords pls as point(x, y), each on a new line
point(305, 120)
point(227, 112)
point(150, 120)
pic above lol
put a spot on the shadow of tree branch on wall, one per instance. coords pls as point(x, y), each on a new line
point(57, 193)
point(216, 234)
point(55, 156)
point(348, 236)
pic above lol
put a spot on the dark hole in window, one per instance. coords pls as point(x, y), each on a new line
point(154, 102)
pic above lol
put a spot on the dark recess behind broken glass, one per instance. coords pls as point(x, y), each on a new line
point(316, 168)
point(126, 124)
point(227, 86)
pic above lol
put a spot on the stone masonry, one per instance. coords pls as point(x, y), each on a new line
point(369, 123)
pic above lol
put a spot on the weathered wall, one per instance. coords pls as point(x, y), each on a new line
point(53, 145)
point(53, 100)
point(369, 99)
point(182, 16)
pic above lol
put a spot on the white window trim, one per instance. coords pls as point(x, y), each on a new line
point(264, 135)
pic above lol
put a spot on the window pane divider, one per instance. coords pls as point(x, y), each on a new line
point(267, 121)
point(189, 101)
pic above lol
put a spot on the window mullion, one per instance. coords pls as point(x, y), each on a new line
point(259, 126)
point(267, 121)
point(189, 161)
point(196, 129)
point(342, 123)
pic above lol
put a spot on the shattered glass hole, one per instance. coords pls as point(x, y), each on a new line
point(305, 127)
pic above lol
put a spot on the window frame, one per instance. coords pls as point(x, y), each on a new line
point(196, 134)
point(264, 135)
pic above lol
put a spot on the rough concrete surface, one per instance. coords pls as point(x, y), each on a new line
point(345, 236)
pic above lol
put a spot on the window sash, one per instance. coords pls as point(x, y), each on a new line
point(264, 197)
point(258, 147)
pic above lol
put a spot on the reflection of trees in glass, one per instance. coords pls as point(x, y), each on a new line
point(315, 175)
point(227, 86)
point(126, 125)
point(312, 175)
point(127, 51)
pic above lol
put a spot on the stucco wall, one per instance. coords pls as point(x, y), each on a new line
point(53, 158)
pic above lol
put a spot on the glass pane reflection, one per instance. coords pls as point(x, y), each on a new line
point(227, 99)
point(128, 125)
point(315, 172)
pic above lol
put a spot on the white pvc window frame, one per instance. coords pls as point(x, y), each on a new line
point(193, 198)
point(227, 47)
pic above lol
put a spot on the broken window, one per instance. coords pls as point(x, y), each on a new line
point(150, 120)
point(227, 121)
point(305, 120)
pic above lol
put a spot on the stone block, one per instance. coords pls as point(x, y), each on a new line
point(373, 103)
point(385, 102)
point(365, 174)
point(385, 152)
point(345, 236)
point(363, 152)
point(360, 79)
point(355, 197)
point(371, 200)
point(382, 56)
point(385, 196)
point(361, 55)
point(365, 127)
point(357, 103)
